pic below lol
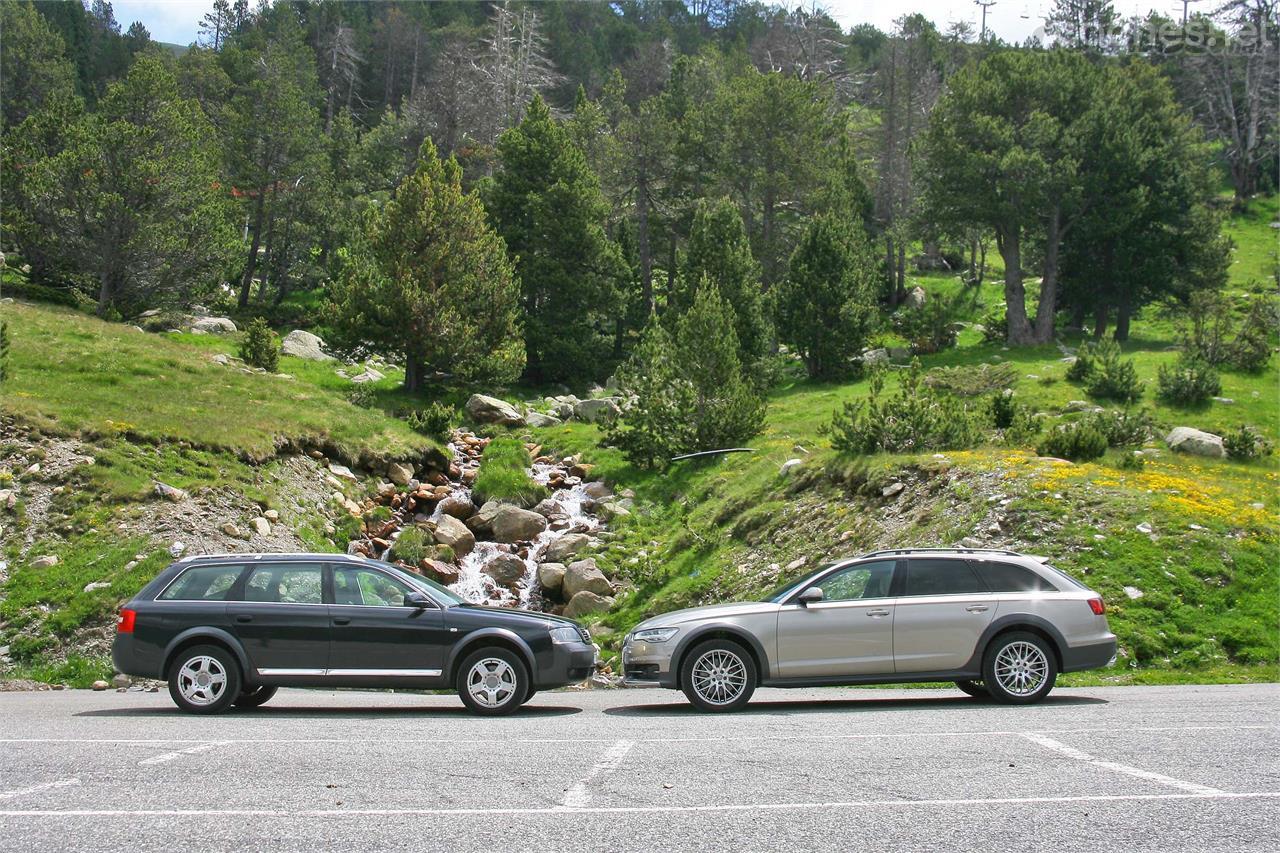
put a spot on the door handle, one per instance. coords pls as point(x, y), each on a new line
point(875, 613)
point(342, 620)
point(977, 608)
point(244, 618)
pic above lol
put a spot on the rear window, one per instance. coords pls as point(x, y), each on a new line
point(1070, 581)
point(1010, 577)
point(941, 577)
point(202, 583)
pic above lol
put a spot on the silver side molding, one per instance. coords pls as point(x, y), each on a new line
point(349, 673)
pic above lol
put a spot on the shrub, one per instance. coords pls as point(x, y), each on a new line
point(995, 326)
point(1080, 442)
point(362, 396)
point(347, 529)
point(929, 328)
point(1003, 409)
point(917, 419)
point(410, 546)
point(1251, 349)
point(1125, 428)
point(435, 420)
point(1131, 461)
point(1191, 381)
point(1245, 442)
point(504, 474)
point(258, 347)
point(1109, 376)
point(972, 380)
point(1024, 428)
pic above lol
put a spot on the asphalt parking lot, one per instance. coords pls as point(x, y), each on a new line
point(1160, 769)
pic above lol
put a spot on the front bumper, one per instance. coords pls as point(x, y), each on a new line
point(647, 664)
point(570, 663)
point(1092, 656)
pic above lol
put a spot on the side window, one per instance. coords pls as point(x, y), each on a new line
point(1009, 577)
point(357, 585)
point(202, 583)
point(285, 583)
point(865, 580)
point(941, 577)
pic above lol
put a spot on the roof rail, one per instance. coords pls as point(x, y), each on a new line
point(249, 555)
point(957, 550)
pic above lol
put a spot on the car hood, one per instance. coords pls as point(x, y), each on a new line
point(509, 616)
point(709, 613)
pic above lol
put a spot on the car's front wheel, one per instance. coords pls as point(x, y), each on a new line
point(976, 689)
point(1019, 668)
point(718, 675)
point(492, 681)
point(256, 697)
point(204, 680)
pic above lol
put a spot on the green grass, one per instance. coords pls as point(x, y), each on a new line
point(75, 670)
point(504, 475)
point(1255, 257)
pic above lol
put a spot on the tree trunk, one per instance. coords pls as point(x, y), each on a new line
point(671, 269)
point(900, 292)
point(1049, 283)
point(888, 267)
point(246, 280)
point(1101, 313)
point(413, 371)
point(1015, 295)
point(106, 292)
point(1123, 311)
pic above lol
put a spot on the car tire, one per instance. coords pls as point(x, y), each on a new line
point(492, 682)
point(718, 676)
point(529, 696)
point(256, 697)
point(204, 679)
point(976, 689)
point(1019, 668)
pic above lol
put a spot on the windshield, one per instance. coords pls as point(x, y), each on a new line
point(442, 594)
point(781, 593)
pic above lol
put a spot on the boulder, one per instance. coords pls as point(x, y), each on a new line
point(513, 524)
point(214, 326)
point(548, 508)
point(565, 547)
point(586, 602)
point(367, 375)
point(612, 509)
point(875, 356)
point(916, 298)
point(585, 575)
point(538, 419)
point(506, 569)
point(482, 521)
point(602, 410)
point(48, 561)
point(457, 506)
point(491, 410)
point(399, 473)
point(231, 530)
point(452, 532)
point(92, 585)
point(302, 344)
point(597, 490)
point(261, 526)
point(341, 471)
point(439, 571)
point(551, 576)
point(1196, 442)
point(789, 467)
point(170, 493)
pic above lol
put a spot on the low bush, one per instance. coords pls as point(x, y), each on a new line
point(972, 380)
point(995, 326)
point(929, 328)
point(259, 347)
point(1131, 461)
point(362, 396)
point(1079, 442)
point(1191, 381)
point(1111, 377)
point(918, 418)
point(1124, 428)
point(1003, 409)
point(435, 420)
point(1251, 349)
point(1246, 443)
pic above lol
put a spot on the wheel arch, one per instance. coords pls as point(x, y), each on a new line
point(211, 637)
point(1018, 622)
point(499, 637)
point(721, 632)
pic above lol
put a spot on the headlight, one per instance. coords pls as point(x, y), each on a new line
point(654, 635)
point(565, 634)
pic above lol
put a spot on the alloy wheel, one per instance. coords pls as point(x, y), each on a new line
point(202, 680)
point(719, 676)
point(1021, 668)
point(492, 682)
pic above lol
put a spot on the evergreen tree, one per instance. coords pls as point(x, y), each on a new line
point(719, 250)
point(547, 205)
point(33, 63)
point(826, 308)
point(656, 425)
point(434, 284)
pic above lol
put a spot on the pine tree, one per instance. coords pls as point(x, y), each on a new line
point(548, 207)
point(33, 64)
point(826, 308)
point(656, 425)
point(719, 251)
point(434, 283)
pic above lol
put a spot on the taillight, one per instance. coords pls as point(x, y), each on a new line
point(1096, 605)
point(127, 618)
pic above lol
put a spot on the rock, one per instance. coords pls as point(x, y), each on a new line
point(789, 467)
point(551, 576)
point(538, 419)
point(90, 587)
point(916, 298)
point(342, 471)
point(597, 490)
point(970, 542)
point(221, 358)
point(367, 375)
point(46, 561)
point(261, 526)
point(459, 507)
point(585, 575)
point(214, 326)
point(900, 353)
point(8, 499)
point(491, 410)
point(231, 530)
point(440, 572)
point(100, 685)
point(1133, 592)
point(452, 532)
point(549, 508)
point(892, 490)
point(1196, 442)
point(565, 547)
point(170, 493)
point(586, 602)
point(506, 569)
point(1077, 406)
point(513, 524)
point(612, 510)
point(1226, 401)
point(875, 356)
point(1144, 527)
point(482, 521)
point(120, 681)
point(32, 470)
point(602, 410)
point(300, 344)
point(399, 473)
point(797, 563)
point(271, 515)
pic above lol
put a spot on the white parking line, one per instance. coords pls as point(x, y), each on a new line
point(578, 794)
point(65, 783)
point(561, 810)
point(169, 756)
point(1159, 778)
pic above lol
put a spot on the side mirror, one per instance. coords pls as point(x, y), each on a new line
point(810, 595)
point(418, 600)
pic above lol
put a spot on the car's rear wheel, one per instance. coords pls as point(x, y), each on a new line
point(259, 695)
point(1019, 668)
point(976, 689)
point(204, 680)
point(492, 681)
point(529, 696)
point(718, 675)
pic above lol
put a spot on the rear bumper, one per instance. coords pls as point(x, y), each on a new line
point(1093, 656)
point(570, 663)
point(136, 659)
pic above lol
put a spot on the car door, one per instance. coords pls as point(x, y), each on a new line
point(282, 621)
point(848, 632)
point(375, 634)
point(942, 609)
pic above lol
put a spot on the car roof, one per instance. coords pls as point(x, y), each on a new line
point(288, 557)
point(950, 552)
